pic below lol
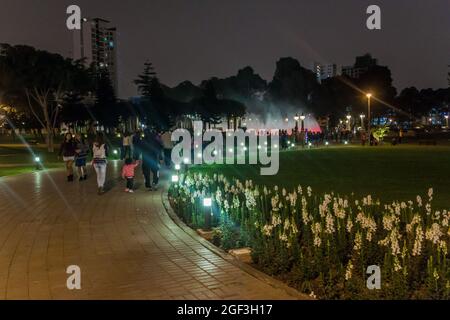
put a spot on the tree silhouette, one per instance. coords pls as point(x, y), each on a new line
point(144, 80)
point(105, 108)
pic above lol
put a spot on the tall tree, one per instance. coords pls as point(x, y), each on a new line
point(42, 79)
point(144, 80)
point(105, 108)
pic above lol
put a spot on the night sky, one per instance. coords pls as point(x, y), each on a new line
point(196, 39)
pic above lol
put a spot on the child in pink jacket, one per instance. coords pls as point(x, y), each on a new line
point(128, 173)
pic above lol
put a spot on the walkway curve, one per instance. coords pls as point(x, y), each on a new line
point(126, 245)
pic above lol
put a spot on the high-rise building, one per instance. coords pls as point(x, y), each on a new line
point(325, 71)
point(96, 42)
point(361, 66)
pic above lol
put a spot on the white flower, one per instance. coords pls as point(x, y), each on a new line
point(434, 233)
point(430, 194)
point(348, 271)
point(349, 225)
point(316, 230)
point(417, 248)
point(419, 201)
point(329, 224)
point(267, 230)
point(358, 242)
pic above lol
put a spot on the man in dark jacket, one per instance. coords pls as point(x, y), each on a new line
point(136, 142)
point(151, 148)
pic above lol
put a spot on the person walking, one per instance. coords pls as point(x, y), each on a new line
point(168, 146)
point(68, 152)
point(400, 136)
point(128, 173)
point(82, 150)
point(136, 142)
point(151, 153)
point(99, 161)
point(126, 146)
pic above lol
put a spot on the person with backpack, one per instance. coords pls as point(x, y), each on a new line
point(82, 150)
point(99, 161)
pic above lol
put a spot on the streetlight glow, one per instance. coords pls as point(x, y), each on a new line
point(207, 202)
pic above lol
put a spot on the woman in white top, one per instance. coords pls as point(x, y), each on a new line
point(99, 161)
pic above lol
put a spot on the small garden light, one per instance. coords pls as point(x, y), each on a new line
point(186, 161)
point(207, 202)
point(327, 143)
point(177, 167)
point(37, 161)
point(175, 178)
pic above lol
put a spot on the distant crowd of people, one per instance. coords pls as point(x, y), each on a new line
point(143, 148)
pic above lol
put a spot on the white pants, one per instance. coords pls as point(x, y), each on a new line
point(100, 169)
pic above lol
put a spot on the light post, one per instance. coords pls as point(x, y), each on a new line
point(369, 96)
point(362, 116)
point(446, 120)
point(38, 162)
point(303, 121)
point(296, 118)
point(349, 124)
point(207, 204)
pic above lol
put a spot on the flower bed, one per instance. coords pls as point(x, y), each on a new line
point(323, 244)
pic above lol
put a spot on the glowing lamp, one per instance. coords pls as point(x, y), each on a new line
point(175, 179)
point(177, 167)
point(207, 202)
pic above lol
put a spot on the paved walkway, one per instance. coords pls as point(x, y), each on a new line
point(126, 245)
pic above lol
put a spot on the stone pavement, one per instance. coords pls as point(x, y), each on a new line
point(125, 244)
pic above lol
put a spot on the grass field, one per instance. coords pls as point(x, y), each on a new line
point(387, 173)
point(17, 159)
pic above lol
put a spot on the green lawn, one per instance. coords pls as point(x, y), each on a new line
point(387, 173)
point(17, 159)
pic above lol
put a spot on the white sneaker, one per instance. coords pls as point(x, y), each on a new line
point(130, 191)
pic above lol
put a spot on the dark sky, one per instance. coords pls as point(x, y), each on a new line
point(196, 39)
